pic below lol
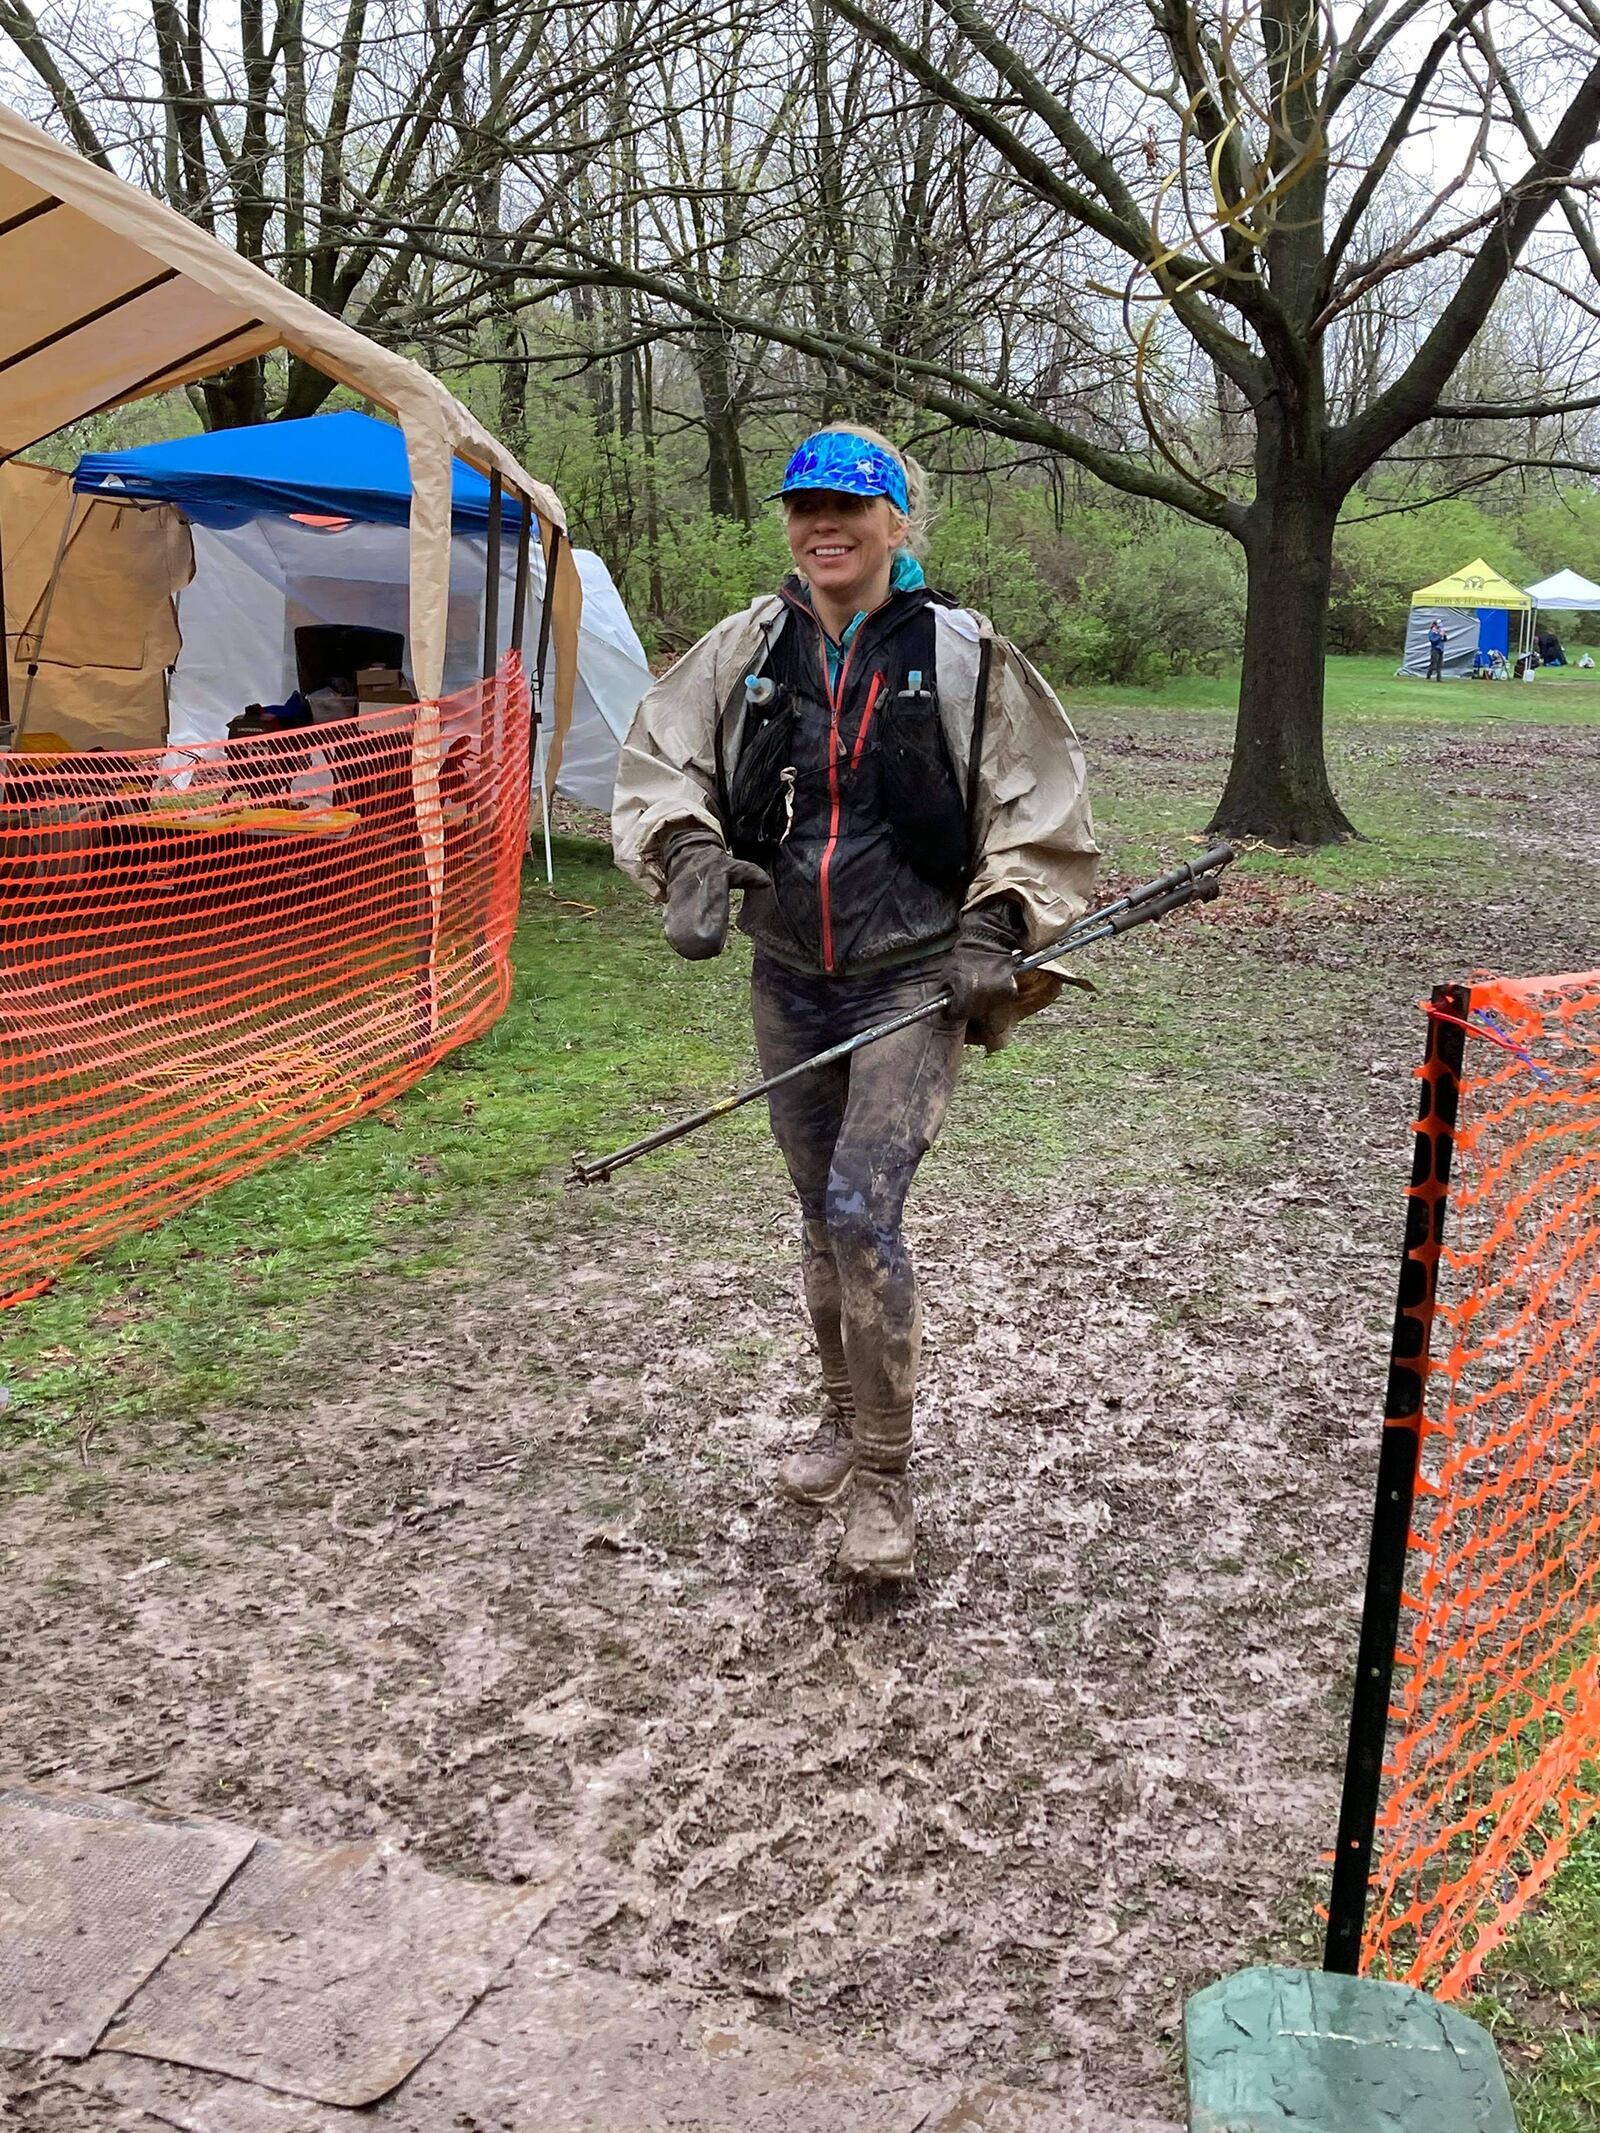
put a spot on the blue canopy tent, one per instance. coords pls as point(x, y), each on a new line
point(298, 523)
point(347, 465)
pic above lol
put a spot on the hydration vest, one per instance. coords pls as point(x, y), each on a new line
point(845, 793)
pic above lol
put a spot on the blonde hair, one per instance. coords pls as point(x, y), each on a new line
point(915, 521)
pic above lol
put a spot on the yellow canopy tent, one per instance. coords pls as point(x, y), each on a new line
point(1473, 605)
point(111, 296)
point(1474, 585)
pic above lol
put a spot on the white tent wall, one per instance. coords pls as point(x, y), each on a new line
point(255, 584)
point(1460, 640)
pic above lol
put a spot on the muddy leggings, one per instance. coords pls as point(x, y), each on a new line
point(852, 1136)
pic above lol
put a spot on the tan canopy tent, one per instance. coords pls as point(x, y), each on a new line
point(110, 297)
point(91, 588)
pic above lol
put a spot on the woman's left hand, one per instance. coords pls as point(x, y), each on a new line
point(980, 972)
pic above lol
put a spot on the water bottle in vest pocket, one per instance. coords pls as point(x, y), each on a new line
point(759, 798)
point(922, 795)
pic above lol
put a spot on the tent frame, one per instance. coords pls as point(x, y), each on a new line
point(185, 281)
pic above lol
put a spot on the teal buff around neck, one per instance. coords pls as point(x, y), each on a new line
point(905, 576)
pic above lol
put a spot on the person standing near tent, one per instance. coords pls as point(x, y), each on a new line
point(900, 798)
point(1435, 650)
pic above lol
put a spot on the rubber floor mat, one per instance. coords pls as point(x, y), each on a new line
point(560, 2049)
point(90, 1905)
point(328, 1973)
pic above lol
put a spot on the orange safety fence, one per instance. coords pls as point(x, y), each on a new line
point(213, 954)
point(1492, 1764)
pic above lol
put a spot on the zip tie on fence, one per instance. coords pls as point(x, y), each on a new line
point(1478, 1024)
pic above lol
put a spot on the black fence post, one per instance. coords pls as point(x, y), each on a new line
point(1427, 1200)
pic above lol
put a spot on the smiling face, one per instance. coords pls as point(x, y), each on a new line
point(843, 546)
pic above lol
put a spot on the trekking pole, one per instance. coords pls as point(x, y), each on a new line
point(1196, 881)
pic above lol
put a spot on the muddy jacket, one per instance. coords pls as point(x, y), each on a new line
point(854, 888)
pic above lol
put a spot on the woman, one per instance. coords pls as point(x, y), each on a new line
point(899, 797)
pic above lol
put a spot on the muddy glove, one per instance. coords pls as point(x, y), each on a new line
point(979, 974)
point(701, 875)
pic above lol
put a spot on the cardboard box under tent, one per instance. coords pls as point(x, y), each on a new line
point(1476, 606)
point(300, 540)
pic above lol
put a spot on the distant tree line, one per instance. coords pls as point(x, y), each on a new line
point(1177, 301)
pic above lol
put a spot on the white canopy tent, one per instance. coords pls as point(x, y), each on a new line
point(1566, 593)
point(256, 583)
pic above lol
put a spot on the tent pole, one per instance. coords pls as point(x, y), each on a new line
point(44, 616)
point(5, 642)
point(544, 802)
point(519, 622)
point(552, 562)
point(519, 603)
point(491, 586)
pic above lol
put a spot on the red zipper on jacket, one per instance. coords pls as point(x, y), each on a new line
point(866, 721)
point(835, 695)
point(835, 703)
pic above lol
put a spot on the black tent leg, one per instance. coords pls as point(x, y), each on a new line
point(491, 588)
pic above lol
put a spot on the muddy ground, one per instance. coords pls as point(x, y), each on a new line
point(493, 1568)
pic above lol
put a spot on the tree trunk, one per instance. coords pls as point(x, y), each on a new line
point(237, 397)
point(652, 485)
point(304, 394)
point(727, 484)
point(1278, 787)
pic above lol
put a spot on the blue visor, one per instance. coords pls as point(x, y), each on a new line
point(847, 465)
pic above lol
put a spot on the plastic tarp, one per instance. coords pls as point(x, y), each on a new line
point(256, 583)
point(347, 464)
point(111, 297)
point(353, 466)
point(88, 646)
point(1460, 641)
point(1566, 593)
point(1475, 585)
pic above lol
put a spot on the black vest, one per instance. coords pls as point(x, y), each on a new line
point(846, 793)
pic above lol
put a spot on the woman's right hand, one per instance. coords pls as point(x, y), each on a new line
point(701, 877)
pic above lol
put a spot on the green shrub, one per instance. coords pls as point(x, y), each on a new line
point(1171, 604)
point(709, 567)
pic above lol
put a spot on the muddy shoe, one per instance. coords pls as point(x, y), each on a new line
point(820, 1471)
point(879, 1531)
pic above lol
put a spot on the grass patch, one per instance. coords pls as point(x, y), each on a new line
point(1540, 1999)
point(603, 1030)
point(1361, 688)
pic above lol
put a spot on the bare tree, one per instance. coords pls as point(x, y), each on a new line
point(332, 142)
point(1274, 249)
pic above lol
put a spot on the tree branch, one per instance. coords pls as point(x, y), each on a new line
point(1355, 446)
point(946, 392)
point(21, 26)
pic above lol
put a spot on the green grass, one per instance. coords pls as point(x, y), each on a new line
point(602, 1026)
point(1361, 689)
point(1541, 2001)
